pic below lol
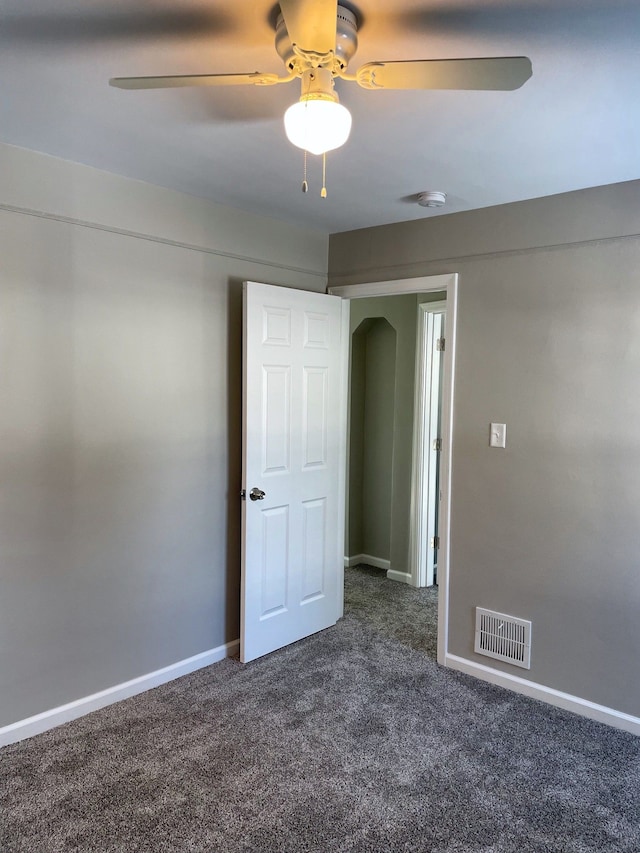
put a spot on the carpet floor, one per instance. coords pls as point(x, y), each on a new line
point(393, 609)
point(350, 740)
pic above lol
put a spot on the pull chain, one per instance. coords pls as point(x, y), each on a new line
point(323, 191)
point(305, 185)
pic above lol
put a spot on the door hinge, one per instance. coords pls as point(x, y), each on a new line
point(437, 444)
point(440, 345)
point(435, 542)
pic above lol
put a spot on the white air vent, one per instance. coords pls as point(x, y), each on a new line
point(503, 637)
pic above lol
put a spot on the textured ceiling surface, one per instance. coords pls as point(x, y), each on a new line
point(575, 124)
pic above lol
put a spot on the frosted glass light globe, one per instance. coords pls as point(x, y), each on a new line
point(317, 125)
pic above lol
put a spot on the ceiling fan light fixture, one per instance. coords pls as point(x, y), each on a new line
point(317, 123)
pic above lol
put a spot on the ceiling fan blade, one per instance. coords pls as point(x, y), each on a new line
point(311, 24)
point(500, 73)
point(174, 82)
point(89, 24)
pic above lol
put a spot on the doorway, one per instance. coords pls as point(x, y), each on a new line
point(429, 287)
point(372, 408)
point(394, 416)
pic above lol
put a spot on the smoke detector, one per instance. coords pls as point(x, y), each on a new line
point(432, 198)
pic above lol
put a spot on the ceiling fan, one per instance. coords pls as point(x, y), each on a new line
point(316, 39)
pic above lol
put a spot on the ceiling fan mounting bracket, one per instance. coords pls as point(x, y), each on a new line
point(366, 75)
point(310, 59)
point(298, 60)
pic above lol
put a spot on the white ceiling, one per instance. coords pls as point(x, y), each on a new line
point(575, 124)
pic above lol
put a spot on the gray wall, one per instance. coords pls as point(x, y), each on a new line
point(400, 312)
point(120, 390)
point(548, 342)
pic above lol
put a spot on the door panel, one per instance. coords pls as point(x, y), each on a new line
point(314, 524)
point(276, 408)
point(314, 428)
point(291, 444)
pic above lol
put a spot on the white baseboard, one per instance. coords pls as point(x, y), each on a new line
point(403, 577)
point(368, 560)
point(65, 713)
point(583, 707)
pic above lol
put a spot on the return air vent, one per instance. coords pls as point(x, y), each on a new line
point(503, 637)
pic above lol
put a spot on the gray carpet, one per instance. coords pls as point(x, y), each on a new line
point(351, 740)
point(393, 609)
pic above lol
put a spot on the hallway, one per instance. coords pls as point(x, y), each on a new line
point(396, 610)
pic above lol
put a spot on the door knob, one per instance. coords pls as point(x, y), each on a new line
point(256, 494)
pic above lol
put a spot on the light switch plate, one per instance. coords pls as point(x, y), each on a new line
point(498, 435)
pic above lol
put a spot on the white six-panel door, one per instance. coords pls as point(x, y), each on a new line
point(292, 535)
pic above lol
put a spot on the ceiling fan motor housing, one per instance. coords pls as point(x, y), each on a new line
point(346, 41)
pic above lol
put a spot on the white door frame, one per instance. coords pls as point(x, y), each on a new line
point(424, 461)
point(424, 284)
